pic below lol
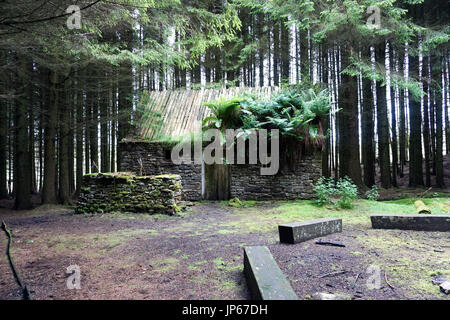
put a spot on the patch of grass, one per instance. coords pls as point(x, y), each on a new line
point(253, 220)
point(228, 285)
point(164, 264)
point(242, 203)
point(94, 241)
point(226, 231)
point(193, 268)
point(223, 265)
point(440, 273)
point(408, 259)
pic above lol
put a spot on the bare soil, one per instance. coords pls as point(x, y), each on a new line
point(199, 255)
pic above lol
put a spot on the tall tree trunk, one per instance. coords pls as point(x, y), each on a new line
point(22, 165)
point(126, 95)
point(93, 131)
point(349, 161)
point(415, 135)
point(394, 144)
point(113, 125)
point(3, 134)
point(63, 142)
point(402, 133)
point(276, 54)
point(426, 126)
point(285, 51)
point(87, 126)
point(383, 126)
point(336, 94)
point(445, 102)
point(71, 142)
point(50, 119)
point(261, 48)
point(41, 138)
point(79, 136)
point(439, 144)
point(104, 103)
point(31, 150)
point(326, 172)
point(368, 129)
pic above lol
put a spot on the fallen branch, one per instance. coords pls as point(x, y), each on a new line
point(330, 243)
point(331, 274)
point(25, 293)
point(426, 191)
point(386, 279)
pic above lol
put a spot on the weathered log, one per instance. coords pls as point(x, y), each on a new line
point(421, 208)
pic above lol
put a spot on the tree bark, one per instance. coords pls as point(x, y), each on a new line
point(368, 129)
point(79, 137)
point(426, 127)
point(383, 126)
point(50, 119)
point(22, 165)
point(104, 102)
point(439, 144)
point(349, 161)
point(3, 136)
point(63, 141)
point(415, 136)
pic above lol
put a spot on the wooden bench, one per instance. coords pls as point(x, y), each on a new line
point(418, 222)
point(303, 231)
point(264, 278)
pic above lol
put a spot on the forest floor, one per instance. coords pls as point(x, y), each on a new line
point(199, 255)
point(402, 183)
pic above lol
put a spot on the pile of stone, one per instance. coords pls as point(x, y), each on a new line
point(128, 193)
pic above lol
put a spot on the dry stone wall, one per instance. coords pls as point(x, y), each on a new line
point(153, 158)
point(125, 192)
point(248, 184)
point(246, 181)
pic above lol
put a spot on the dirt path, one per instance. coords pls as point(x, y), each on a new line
point(199, 255)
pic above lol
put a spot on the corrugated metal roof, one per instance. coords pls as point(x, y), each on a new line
point(179, 112)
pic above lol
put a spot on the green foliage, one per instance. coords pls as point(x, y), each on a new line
point(235, 202)
point(372, 194)
point(225, 114)
point(324, 190)
point(346, 192)
point(296, 113)
point(345, 22)
point(109, 33)
point(340, 194)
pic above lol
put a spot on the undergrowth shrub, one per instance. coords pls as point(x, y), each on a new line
point(372, 194)
point(340, 194)
point(347, 192)
point(324, 190)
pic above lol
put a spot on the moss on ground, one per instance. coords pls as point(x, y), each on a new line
point(409, 259)
point(253, 219)
point(164, 264)
point(99, 242)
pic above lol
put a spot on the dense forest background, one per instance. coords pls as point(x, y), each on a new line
point(68, 95)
